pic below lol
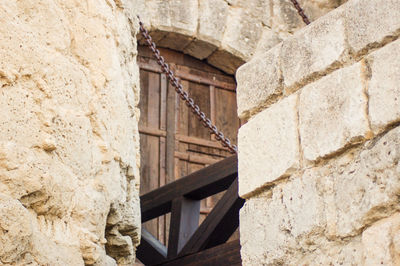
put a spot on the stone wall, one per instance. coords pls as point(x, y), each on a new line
point(226, 33)
point(69, 152)
point(319, 157)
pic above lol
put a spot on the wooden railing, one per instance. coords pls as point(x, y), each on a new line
point(189, 243)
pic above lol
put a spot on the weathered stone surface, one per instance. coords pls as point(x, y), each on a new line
point(381, 242)
point(314, 50)
point(199, 49)
point(268, 40)
point(285, 18)
point(176, 16)
point(259, 82)
point(268, 147)
point(383, 87)
point(225, 61)
point(242, 33)
point(371, 23)
point(212, 20)
point(317, 216)
point(68, 130)
point(332, 113)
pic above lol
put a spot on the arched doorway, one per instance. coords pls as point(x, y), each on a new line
point(173, 142)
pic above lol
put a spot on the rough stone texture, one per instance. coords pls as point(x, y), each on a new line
point(69, 140)
point(226, 33)
point(314, 50)
point(333, 113)
point(318, 215)
point(382, 242)
point(259, 82)
point(340, 205)
point(371, 23)
point(268, 147)
point(383, 87)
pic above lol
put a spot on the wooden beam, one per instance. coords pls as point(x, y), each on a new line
point(152, 131)
point(200, 141)
point(205, 78)
point(185, 215)
point(184, 73)
point(198, 185)
point(150, 251)
point(219, 225)
point(222, 255)
point(195, 158)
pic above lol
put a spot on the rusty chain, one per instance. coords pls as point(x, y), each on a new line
point(183, 94)
point(300, 11)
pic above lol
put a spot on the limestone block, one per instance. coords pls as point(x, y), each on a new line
point(362, 187)
point(199, 49)
point(314, 50)
point(332, 113)
point(383, 87)
point(315, 9)
point(16, 232)
point(225, 61)
point(212, 20)
point(268, 39)
point(259, 82)
point(69, 90)
point(268, 147)
point(285, 17)
point(175, 16)
point(371, 23)
point(318, 215)
point(259, 9)
point(381, 242)
point(242, 34)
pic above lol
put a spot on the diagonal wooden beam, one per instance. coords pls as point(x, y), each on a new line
point(225, 254)
point(199, 185)
point(150, 251)
point(219, 225)
point(185, 215)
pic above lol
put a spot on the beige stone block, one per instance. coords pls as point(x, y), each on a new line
point(212, 20)
point(314, 50)
point(259, 82)
point(268, 147)
point(225, 61)
point(242, 34)
point(285, 17)
point(381, 242)
point(65, 106)
point(268, 40)
point(175, 41)
point(384, 87)
point(371, 23)
point(332, 113)
point(362, 187)
point(177, 16)
point(318, 215)
point(200, 49)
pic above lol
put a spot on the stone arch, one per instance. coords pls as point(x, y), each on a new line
point(226, 33)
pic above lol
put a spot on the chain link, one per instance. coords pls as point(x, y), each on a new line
point(300, 11)
point(183, 94)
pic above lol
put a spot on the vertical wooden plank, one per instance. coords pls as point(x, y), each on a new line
point(226, 108)
point(170, 142)
point(163, 126)
point(212, 107)
point(150, 146)
point(183, 129)
point(184, 222)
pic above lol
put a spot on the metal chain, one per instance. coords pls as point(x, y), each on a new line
point(300, 11)
point(183, 94)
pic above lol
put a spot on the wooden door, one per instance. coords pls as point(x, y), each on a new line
point(173, 142)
